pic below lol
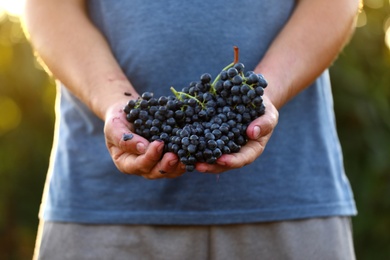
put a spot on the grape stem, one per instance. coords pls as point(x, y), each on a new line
point(236, 54)
point(178, 94)
point(236, 58)
point(219, 76)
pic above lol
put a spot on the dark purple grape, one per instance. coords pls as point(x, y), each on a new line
point(190, 167)
point(224, 75)
point(251, 94)
point(191, 160)
point(232, 72)
point(185, 141)
point(235, 90)
point(154, 130)
point(219, 86)
point(217, 152)
point(239, 67)
point(227, 84)
point(262, 81)
point(207, 154)
point(152, 102)
point(132, 103)
point(244, 89)
point(211, 144)
point(164, 137)
point(191, 148)
point(257, 101)
point(252, 79)
point(259, 91)
point(237, 80)
point(147, 95)
point(205, 78)
point(138, 123)
point(211, 160)
point(162, 100)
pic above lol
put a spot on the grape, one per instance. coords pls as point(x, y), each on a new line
point(205, 78)
point(239, 67)
point(147, 96)
point(232, 72)
point(204, 120)
point(237, 80)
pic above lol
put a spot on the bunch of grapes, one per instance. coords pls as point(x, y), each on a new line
point(205, 119)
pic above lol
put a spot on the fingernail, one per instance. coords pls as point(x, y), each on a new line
point(127, 137)
point(222, 163)
point(201, 168)
point(160, 148)
point(173, 162)
point(256, 132)
point(140, 147)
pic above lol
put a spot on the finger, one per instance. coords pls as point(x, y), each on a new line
point(247, 155)
point(168, 167)
point(119, 134)
point(263, 125)
point(126, 150)
point(132, 143)
point(145, 163)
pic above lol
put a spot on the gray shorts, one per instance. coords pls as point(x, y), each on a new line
point(319, 238)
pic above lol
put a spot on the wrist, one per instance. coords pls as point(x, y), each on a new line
point(277, 90)
point(113, 95)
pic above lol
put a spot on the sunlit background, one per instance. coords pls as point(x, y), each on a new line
point(12, 7)
point(361, 86)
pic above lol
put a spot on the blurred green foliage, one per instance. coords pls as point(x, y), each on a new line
point(361, 86)
point(26, 129)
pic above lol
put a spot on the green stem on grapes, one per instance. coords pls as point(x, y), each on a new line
point(250, 86)
point(228, 66)
point(219, 76)
point(235, 60)
point(175, 92)
point(138, 102)
point(178, 95)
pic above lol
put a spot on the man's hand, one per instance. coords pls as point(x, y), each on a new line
point(133, 154)
point(259, 132)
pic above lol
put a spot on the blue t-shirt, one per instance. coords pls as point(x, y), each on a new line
point(160, 44)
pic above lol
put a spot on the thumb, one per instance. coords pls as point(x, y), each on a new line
point(118, 134)
point(263, 125)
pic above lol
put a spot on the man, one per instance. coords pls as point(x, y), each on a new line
point(285, 196)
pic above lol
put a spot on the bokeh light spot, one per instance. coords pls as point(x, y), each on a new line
point(12, 7)
point(362, 19)
point(387, 38)
point(374, 4)
point(11, 114)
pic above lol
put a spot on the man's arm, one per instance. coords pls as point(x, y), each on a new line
point(308, 44)
point(76, 53)
point(79, 56)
